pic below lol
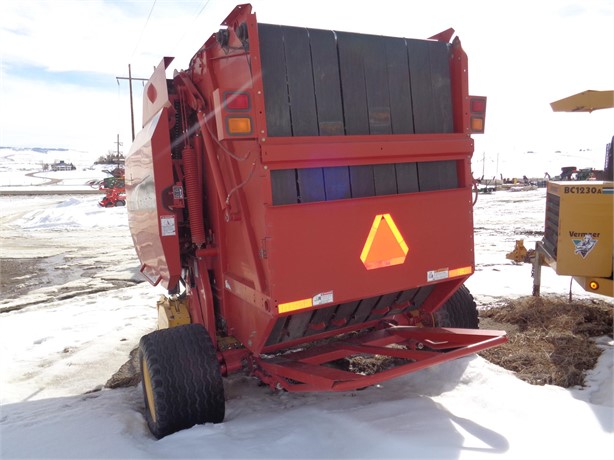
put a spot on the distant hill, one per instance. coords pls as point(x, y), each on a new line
point(35, 149)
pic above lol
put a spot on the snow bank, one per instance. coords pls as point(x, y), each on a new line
point(73, 213)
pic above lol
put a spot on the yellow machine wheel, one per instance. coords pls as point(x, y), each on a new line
point(181, 378)
point(148, 390)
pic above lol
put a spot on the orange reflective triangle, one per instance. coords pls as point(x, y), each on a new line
point(385, 245)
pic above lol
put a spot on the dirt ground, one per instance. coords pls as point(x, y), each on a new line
point(551, 340)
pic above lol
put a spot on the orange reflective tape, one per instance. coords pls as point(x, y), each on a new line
point(293, 306)
point(460, 272)
point(369, 242)
point(396, 233)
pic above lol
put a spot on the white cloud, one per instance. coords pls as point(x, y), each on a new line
point(42, 114)
point(522, 56)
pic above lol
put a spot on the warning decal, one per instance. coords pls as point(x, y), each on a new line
point(167, 226)
point(436, 275)
point(322, 298)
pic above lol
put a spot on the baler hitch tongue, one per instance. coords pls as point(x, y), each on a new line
point(394, 352)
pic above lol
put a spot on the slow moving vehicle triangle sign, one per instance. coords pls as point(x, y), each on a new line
point(385, 245)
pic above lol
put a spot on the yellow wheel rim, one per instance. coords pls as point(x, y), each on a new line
point(149, 390)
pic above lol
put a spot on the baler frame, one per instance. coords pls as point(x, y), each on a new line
point(310, 369)
point(237, 200)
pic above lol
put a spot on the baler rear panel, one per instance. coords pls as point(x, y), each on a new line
point(328, 167)
point(327, 186)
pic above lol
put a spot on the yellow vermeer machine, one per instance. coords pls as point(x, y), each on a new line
point(578, 238)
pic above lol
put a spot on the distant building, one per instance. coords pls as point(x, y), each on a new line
point(61, 166)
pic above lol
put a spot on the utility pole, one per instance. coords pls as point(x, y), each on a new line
point(117, 143)
point(130, 78)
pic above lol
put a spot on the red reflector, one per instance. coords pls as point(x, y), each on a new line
point(237, 101)
point(478, 105)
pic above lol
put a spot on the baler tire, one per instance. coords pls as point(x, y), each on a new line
point(182, 380)
point(459, 311)
point(120, 203)
point(109, 204)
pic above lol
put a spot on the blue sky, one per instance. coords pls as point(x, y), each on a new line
point(60, 60)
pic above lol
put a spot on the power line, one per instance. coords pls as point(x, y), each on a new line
point(186, 29)
point(144, 27)
point(202, 9)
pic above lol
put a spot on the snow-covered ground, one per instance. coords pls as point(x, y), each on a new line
point(23, 168)
point(64, 338)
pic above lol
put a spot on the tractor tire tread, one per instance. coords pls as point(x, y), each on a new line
point(459, 311)
point(185, 378)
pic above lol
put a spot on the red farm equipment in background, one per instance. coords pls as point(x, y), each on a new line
point(113, 197)
point(114, 188)
point(305, 197)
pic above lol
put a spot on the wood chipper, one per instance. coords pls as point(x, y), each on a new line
point(305, 197)
point(579, 238)
point(579, 223)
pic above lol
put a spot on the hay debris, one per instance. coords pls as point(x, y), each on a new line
point(550, 338)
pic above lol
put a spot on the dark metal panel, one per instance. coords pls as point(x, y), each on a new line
point(449, 174)
point(381, 309)
point(323, 315)
point(430, 86)
point(422, 295)
point(343, 314)
point(376, 83)
point(353, 83)
point(400, 303)
point(385, 179)
point(337, 183)
point(407, 296)
point(300, 81)
point(428, 176)
point(401, 114)
point(407, 177)
point(278, 332)
point(297, 325)
point(274, 80)
point(306, 185)
point(437, 175)
point(361, 180)
point(283, 185)
point(421, 89)
point(321, 319)
point(311, 185)
point(442, 89)
point(326, 80)
point(364, 310)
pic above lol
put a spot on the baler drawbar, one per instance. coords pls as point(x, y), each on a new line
point(305, 197)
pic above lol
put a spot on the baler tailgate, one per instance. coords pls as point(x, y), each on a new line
point(408, 348)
